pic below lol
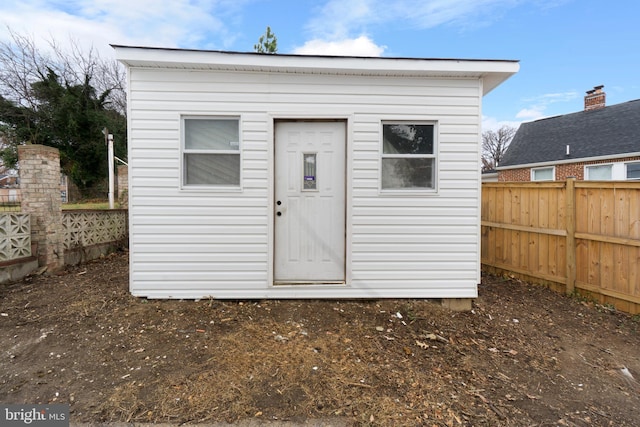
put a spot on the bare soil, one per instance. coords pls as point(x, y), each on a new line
point(524, 356)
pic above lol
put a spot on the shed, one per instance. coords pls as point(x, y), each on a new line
point(286, 176)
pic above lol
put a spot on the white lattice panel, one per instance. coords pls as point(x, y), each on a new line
point(15, 236)
point(92, 228)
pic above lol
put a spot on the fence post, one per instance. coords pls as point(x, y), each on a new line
point(123, 179)
point(571, 233)
point(40, 189)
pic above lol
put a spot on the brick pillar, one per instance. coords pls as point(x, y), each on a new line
point(123, 183)
point(40, 189)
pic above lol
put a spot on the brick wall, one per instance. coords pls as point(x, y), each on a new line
point(563, 171)
point(514, 175)
point(123, 182)
point(571, 169)
point(40, 188)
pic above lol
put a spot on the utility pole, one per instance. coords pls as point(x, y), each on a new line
point(108, 138)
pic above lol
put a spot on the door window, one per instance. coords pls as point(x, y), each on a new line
point(310, 167)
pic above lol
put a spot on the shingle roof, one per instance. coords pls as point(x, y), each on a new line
point(609, 131)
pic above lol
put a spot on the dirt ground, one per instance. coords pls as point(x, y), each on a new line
point(524, 356)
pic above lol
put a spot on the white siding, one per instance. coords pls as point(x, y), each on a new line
point(199, 243)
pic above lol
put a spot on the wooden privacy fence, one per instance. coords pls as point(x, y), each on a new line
point(571, 235)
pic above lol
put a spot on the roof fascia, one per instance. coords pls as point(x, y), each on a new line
point(493, 72)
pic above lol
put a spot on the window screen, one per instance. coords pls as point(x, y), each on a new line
point(599, 173)
point(542, 174)
point(211, 155)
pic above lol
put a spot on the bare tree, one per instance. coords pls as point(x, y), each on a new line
point(494, 145)
point(62, 96)
point(22, 63)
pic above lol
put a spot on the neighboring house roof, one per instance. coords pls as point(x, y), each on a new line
point(611, 131)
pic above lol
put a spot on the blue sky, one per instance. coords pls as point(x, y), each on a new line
point(565, 47)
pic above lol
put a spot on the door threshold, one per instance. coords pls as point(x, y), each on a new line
point(308, 283)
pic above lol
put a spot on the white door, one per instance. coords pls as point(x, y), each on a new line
point(309, 202)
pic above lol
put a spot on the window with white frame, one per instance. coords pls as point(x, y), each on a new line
point(543, 174)
point(211, 152)
point(599, 172)
point(408, 158)
point(633, 170)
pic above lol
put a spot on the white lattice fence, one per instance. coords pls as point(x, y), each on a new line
point(15, 236)
point(92, 228)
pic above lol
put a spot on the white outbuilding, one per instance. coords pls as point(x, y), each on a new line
point(285, 176)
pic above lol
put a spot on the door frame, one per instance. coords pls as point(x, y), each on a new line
point(296, 117)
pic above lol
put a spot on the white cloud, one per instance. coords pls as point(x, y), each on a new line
point(339, 19)
point(537, 106)
point(529, 114)
point(491, 123)
point(551, 98)
point(338, 25)
point(464, 13)
point(98, 23)
point(361, 46)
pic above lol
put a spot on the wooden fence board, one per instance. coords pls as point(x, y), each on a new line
point(634, 218)
point(524, 237)
point(621, 269)
point(574, 232)
point(595, 214)
point(543, 222)
point(593, 261)
point(634, 272)
point(606, 266)
point(534, 238)
point(508, 219)
point(621, 212)
point(553, 240)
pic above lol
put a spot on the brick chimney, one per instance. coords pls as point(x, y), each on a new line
point(595, 99)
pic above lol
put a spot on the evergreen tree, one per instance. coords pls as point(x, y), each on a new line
point(268, 43)
point(63, 99)
point(69, 118)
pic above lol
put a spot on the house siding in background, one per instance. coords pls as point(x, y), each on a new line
point(562, 171)
point(194, 243)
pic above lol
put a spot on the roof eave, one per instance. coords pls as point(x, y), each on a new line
point(493, 72)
